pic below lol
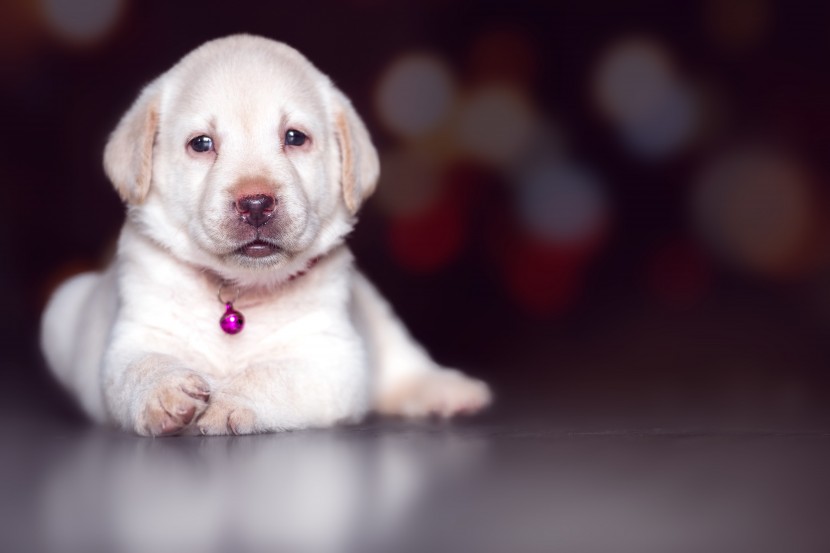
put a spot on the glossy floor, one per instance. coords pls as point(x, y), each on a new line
point(497, 483)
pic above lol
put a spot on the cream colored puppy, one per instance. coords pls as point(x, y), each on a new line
point(242, 168)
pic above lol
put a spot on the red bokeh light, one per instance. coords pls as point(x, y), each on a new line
point(544, 280)
point(432, 237)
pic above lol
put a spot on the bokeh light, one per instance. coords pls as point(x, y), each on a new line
point(495, 124)
point(542, 278)
point(414, 94)
point(503, 55)
point(19, 32)
point(666, 129)
point(561, 203)
point(82, 20)
point(632, 77)
point(409, 183)
point(636, 87)
point(738, 25)
point(757, 209)
point(429, 240)
point(432, 237)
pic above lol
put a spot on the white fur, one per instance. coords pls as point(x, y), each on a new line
point(139, 345)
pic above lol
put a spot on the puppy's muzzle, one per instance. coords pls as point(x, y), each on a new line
point(256, 210)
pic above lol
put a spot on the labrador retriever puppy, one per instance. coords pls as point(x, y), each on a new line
point(243, 168)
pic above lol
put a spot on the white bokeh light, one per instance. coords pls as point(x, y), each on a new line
point(495, 125)
point(561, 202)
point(415, 95)
point(669, 126)
point(632, 77)
point(636, 87)
point(82, 20)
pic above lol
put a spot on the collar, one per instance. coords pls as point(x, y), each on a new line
point(233, 321)
point(308, 266)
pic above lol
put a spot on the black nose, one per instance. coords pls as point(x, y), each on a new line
point(256, 210)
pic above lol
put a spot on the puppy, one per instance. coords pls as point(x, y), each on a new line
point(242, 168)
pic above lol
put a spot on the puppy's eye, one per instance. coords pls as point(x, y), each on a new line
point(294, 138)
point(202, 144)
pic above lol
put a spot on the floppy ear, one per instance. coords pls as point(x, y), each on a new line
point(128, 156)
point(359, 163)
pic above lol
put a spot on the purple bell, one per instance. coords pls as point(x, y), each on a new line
point(232, 321)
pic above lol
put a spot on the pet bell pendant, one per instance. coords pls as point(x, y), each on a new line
point(232, 322)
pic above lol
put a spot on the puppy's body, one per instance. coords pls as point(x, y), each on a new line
point(140, 345)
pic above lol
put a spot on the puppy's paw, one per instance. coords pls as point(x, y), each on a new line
point(225, 415)
point(177, 399)
point(443, 392)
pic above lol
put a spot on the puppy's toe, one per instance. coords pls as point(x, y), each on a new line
point(242, 421)
point(227, 417)
point(173, 404)
point(443, 392)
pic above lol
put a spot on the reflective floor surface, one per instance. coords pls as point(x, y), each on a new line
point(496, 483)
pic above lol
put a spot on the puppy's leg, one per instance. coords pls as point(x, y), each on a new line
point(154, 394)
point(407, 381)
point(324, 384)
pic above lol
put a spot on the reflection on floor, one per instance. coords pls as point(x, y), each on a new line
point(481, 485)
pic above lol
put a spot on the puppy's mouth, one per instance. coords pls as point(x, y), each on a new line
point(258, 248)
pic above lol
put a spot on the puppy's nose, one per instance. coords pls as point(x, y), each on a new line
point(257, 209)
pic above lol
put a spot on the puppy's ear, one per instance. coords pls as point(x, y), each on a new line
point(128, 156)
point(359, 163)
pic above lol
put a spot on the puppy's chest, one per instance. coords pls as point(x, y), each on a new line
point(269, 333)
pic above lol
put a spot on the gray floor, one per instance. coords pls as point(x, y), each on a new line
point(502, 482)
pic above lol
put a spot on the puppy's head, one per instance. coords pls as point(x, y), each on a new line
point(244, 159)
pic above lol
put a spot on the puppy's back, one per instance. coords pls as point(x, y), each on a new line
point(74, 330)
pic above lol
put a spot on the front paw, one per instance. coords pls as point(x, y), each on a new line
point(227, 415)
point(443, 392)
point(177, 399)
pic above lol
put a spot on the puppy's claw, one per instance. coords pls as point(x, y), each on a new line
point(228, 418)
point(175, 402)
point(204, 395)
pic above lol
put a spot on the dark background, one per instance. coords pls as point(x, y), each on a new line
point(670, 293)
